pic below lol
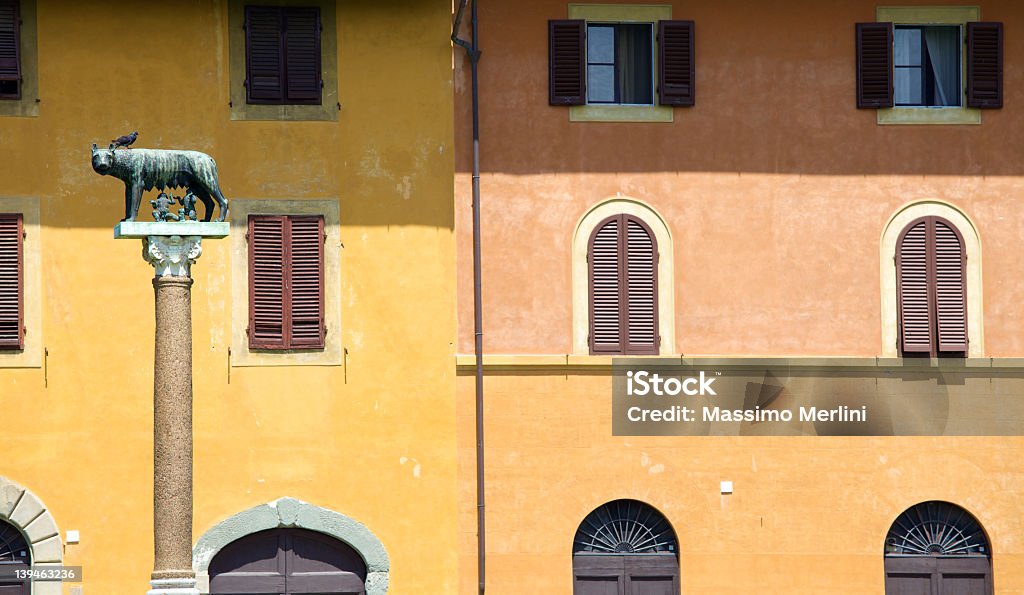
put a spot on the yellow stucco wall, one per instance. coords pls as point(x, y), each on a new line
point(373, 439)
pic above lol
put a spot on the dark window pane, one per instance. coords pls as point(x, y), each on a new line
point(943, 65)
point(635, 64)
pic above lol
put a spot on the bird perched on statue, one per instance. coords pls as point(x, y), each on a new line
point(124, 141)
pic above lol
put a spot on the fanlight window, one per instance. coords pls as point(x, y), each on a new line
point(625, 527)
point(13, 547)
point(936, 529)
point(937, 548)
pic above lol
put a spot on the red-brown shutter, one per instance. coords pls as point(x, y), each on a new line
point(567, 61)
point(985, 65)
point(676, 64)
point(302, 55)
point(306, 284)
point(874, 65)
point(267, 273)
point(264, 54)
point(914, 287)
point(12, 301)
point(950, 288)
point(641, 289)
point(606, 303)
point(10, 59)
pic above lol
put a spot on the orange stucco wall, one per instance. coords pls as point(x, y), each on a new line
point(775, 187)
point(776, 190)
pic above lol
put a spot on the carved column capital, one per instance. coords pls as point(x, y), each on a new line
point(172, 256)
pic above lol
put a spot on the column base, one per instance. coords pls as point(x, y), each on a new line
point(173, 586)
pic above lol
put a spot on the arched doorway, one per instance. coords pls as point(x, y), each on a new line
point(287, 562)
point(937, 548)
point(15, 554)
point(625, 547)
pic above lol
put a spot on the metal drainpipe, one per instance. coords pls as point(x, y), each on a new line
point(473, 52)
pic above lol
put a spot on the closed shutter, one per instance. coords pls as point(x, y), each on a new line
point(566, 62)
point(985, 65)
point(874, 65)
point(267, 271)
point(302, 55)
point(641, 289)
point(606, 301)
point(12, 302)
point(950, 288)
point(914, 289)
point(10, 59)
point(307, 281)
point(623, 259)
point(264, 54)
point(676, 76)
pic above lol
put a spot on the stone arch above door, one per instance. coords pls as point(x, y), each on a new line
point(289, 512)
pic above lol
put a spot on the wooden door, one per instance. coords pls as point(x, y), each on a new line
point(287, 562)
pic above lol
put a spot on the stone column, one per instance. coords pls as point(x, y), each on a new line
point(172, 249)
point(171, 258)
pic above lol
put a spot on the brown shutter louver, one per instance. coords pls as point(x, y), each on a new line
point(874, 65)
point(264, 54)
point(932, 285)
point(605, 289)
point(286, 282)
point(913, 287)
point(567, 60)
point(641, 289)
point(10, 49)
point(306, 241)
point(675, 63)
point(623, 258)
point(302, 55)
point(950, 288)
point(12, 300)
point(985, 65)
point(267, 270)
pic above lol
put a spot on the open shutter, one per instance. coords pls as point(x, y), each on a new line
point(675, 63)
point(914, 286)
point(950, 288)
point(567, 58)
point(985, 65)
point(874, 65)
point(302, 55)
point(10, 59)
point(12, 302)
point(606, 303)
point(306, 285)
point(641, 289)
point(264, 54)
point(267, 273)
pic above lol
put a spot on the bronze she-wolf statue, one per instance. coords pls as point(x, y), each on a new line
point(145, 169)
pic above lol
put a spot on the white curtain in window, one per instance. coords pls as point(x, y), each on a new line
point(942, 44)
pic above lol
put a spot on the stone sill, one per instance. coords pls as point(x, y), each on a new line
point(466, 363)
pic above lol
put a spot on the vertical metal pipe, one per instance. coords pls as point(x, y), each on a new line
point(473, 52)
point(478, 324)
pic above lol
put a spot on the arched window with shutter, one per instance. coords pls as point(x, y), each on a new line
point(623, 270)
point(932, 289)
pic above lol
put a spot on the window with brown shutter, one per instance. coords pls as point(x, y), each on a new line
point(623, 262)
point(600, 63)
point(932, 292)
point(282, 54)
point(12, 291)
point(10, 49)
point(286, 282)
